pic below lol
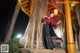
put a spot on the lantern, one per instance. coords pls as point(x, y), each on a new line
point(55, 11)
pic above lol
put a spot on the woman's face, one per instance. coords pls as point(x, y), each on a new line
point(52, 14)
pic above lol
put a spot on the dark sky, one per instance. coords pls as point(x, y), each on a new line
point(6, 12)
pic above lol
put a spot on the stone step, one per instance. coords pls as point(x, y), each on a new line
point(40, 44)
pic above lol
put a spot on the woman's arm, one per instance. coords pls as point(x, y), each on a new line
point(59, 22)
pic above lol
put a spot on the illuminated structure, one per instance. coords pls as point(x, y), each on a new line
point(44, 8)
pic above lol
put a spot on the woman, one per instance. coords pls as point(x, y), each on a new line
point(48, 44)
point(48, 32)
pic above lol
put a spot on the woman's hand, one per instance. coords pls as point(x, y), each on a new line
point(59, 22)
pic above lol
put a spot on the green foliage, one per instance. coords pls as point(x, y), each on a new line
point(13, 46)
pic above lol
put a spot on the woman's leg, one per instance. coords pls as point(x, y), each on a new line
point(47, 39)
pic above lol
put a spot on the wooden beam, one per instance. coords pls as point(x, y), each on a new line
point(12, 24)
point(32, 6)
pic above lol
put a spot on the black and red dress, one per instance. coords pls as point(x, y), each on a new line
point(48, 32)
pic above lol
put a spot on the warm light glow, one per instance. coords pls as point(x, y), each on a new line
point(72, 5)
point(55, 11)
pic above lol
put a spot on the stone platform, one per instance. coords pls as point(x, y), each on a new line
point(41, 51)
point(27, 50)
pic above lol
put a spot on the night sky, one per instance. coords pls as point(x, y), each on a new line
point(6, 12)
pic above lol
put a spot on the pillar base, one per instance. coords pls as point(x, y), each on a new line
point(71, 48)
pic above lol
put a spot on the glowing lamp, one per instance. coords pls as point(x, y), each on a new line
point(55, 11)
point(19, 35)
